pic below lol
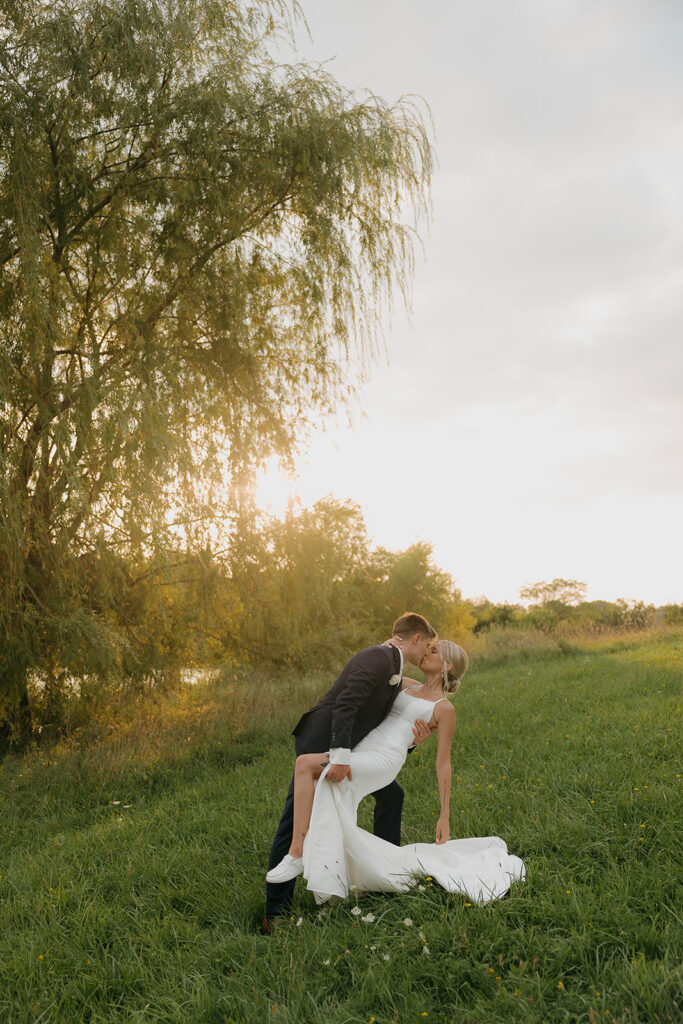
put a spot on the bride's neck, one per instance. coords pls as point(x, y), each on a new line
point(434, 683)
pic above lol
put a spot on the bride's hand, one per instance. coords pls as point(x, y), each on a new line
point(443, 830)
point(393, 641)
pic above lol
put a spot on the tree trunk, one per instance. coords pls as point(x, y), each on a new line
point(16, 723)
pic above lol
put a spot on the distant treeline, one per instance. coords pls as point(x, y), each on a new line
point(586, 617)
point(296, 594)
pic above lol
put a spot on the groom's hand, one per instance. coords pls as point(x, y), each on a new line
point(337, 772)
point(421, 732)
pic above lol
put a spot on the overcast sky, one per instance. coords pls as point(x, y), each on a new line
point(534, 396)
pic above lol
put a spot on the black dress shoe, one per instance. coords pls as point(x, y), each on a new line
point(267, 925)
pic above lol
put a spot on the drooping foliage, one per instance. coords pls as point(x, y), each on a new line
point(194, 240)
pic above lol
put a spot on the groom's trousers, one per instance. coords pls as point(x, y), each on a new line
point(386, 825)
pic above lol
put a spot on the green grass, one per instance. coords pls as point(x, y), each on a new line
point(147, 913)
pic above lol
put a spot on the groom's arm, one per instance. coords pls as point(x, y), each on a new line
point(368, 671)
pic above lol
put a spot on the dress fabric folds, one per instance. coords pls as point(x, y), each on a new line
point(339, 856)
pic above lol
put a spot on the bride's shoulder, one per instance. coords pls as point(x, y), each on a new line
point(444, 711)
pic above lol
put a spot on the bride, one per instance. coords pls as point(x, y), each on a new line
point(335, 855)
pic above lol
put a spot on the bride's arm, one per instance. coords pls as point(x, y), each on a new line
point(445, 722)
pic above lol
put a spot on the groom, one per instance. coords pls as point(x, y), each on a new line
point(358, 701)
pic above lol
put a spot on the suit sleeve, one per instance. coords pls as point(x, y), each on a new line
point(370, 671)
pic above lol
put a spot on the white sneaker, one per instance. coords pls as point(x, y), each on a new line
point(288, 868)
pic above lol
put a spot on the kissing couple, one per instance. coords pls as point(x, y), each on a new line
point(353, 743)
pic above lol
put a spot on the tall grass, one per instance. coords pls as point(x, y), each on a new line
point(132, 872)
point(500, 644)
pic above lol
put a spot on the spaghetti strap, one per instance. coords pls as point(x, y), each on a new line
point(415, 686)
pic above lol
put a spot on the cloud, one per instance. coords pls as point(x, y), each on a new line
point(543, 363)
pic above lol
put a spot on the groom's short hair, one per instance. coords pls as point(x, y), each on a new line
point(410, 623)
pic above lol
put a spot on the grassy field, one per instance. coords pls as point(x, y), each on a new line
point(132, 874)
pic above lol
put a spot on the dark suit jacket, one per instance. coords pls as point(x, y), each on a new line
point(358, 701)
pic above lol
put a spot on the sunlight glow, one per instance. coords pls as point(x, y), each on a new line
point(274, 490)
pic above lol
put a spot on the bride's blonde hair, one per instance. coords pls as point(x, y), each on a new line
point(451, 654)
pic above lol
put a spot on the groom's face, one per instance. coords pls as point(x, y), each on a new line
point(420, 646)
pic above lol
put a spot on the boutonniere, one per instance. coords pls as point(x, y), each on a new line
point(394, 681)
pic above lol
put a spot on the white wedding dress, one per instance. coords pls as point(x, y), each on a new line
point(339, 856)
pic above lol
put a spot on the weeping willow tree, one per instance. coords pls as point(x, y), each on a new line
point(196, 246)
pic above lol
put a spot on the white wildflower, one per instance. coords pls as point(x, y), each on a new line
point(422, 936)
point(373, 948)
point(425, 950)
point(300, 922)
point(326, 963)
point(369, 918)
point(355, 911)
point(408, 922)
point(387, 957)
point(421, 888)
point(115, 802)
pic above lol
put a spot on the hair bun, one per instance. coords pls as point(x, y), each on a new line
point(455, 657)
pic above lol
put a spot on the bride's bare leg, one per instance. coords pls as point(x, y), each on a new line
point(309, 767)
